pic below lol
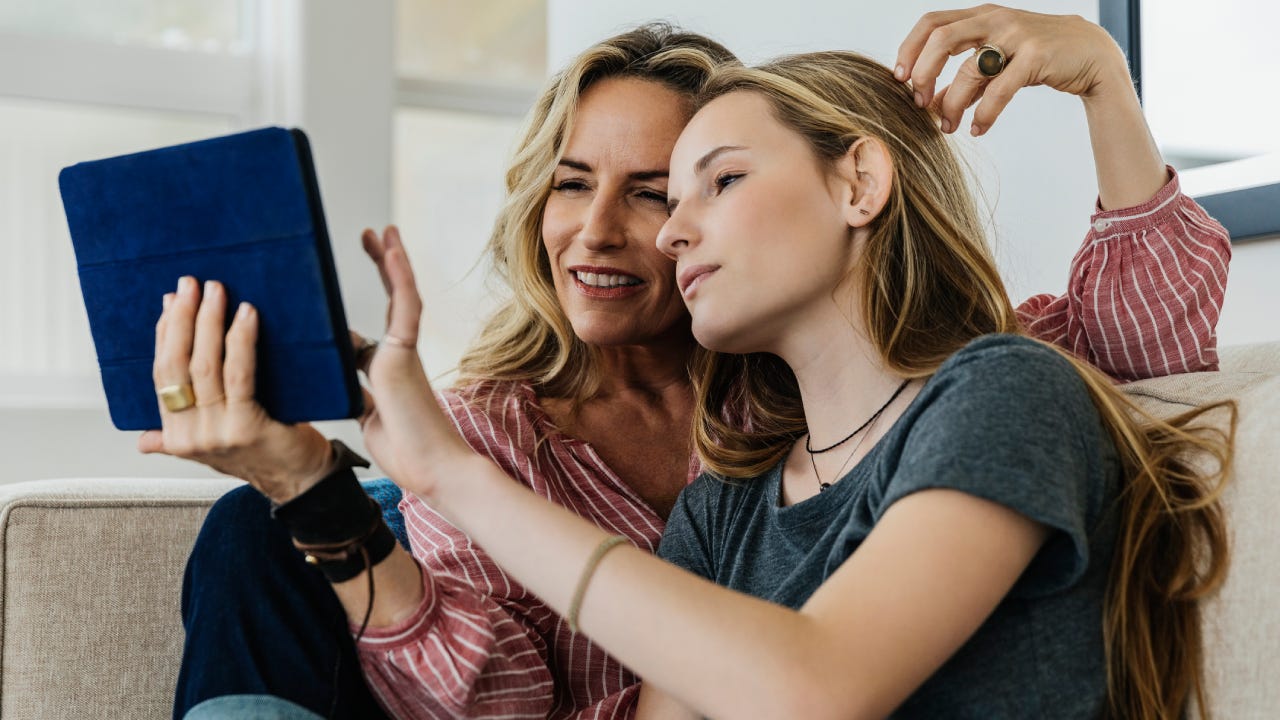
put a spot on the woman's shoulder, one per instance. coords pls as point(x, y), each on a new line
point(1003, 361)
point(1006, 381)
point(1005, 348)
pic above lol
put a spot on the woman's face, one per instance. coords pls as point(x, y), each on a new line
point(758, 228)
point(608, 200)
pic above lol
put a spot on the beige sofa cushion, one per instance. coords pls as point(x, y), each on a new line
point(92, 571)
point(1242, 622)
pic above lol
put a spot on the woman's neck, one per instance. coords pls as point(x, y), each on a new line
point(842, 379)
point(657, 369)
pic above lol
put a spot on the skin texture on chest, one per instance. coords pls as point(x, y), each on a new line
point(646, 444)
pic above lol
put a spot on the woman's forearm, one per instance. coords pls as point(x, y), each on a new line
point(636, 606)
point(1129, 165)
point(397, 591)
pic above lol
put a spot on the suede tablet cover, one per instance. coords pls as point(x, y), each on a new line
point(242, 209)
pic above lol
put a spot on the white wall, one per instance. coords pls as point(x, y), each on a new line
point(1035, 163)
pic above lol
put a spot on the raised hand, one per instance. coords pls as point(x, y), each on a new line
point(225, 428)
point(1065, 52)
point(404, 428)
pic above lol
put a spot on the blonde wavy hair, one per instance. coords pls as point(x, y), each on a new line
point(529, 338)
point(928, 286)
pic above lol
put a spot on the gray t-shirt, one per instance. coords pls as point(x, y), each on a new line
point(1005, 419)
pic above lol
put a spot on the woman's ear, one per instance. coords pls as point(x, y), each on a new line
point(867, 173)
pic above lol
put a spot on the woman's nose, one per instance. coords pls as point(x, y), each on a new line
point(603, 228)
point(675, 236)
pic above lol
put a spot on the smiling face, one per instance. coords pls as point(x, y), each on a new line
point(759, 228)
point(607, 203)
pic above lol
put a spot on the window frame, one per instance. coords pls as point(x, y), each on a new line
point(1251, 213)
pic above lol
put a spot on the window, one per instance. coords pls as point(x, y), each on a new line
point(1216, 127)
point(94, 83)
point(467, 74)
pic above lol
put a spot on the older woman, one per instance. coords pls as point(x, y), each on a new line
point(579, 390)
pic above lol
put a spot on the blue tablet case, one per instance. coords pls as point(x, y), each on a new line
point(242, 209)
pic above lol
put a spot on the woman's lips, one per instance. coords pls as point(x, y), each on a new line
point(604, 282)
point(691, 278)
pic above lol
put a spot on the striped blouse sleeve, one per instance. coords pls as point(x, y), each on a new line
point(1145, 290)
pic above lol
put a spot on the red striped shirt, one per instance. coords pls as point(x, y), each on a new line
point(1144, 297)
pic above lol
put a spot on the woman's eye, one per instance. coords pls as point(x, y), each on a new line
point(654, 196)
point(727, 179)
point(569, 186)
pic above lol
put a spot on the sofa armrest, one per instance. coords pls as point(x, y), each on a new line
point(90, 575)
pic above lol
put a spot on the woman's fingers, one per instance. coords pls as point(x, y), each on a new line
point(173, 346)
point(206, 350)
point(909, 50)
point(151, 441)
point(241, 355)
point(944, 42)
point(998, 93)
point(373, 247)
point(405, 314)
point(951, 101)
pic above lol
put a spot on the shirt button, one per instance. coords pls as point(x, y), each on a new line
point(1101, 225)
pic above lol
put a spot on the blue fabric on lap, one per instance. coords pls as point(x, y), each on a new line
point(250, 707)
point(387, 494)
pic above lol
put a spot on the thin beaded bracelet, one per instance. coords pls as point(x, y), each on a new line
point(575, 605)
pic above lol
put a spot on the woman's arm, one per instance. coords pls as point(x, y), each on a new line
point(655, 704)
point(942, 561)
point(1146, 287)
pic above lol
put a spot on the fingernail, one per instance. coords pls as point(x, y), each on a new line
point(210, 287)
point(920, 99)
point(946, 125)
point(900, 72)
point(168, 300)
point(244, 311)
point(186, 285)
point(976, 130)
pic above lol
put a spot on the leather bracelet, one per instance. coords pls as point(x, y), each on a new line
point(343, 562)
point(335, 523)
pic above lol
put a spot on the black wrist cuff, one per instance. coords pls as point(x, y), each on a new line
point(359, 556)
point(336, 524)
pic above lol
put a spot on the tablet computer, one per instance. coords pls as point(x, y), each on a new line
point(243, 209)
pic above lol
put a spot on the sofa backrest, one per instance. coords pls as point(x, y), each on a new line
point(1242, 621)
point(91, 572)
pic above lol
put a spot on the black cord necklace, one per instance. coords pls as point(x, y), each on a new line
point(822, 486)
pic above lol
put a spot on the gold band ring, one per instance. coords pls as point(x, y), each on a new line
point(177, 398)
point(990, 60)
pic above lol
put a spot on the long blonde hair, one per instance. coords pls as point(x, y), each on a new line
point(929, 286)
point(529, 338)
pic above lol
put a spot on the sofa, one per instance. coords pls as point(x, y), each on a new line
point(90, 570)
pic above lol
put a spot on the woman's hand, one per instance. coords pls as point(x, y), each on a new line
point(404, 428)
point(226, 429)
point(1064, 52)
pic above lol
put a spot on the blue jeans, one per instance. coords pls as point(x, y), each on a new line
point(260, 621)
point(250, 707)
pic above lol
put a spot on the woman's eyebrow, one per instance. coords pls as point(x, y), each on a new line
point(655, 174)
point(705, 160)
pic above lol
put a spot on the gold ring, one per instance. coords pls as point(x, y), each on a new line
point(990, 60)
point(177, 398)
point(400, 342)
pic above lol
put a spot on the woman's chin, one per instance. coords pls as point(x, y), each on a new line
point(722, 338)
